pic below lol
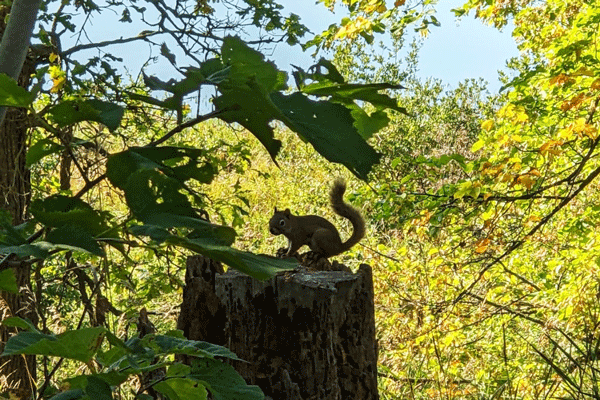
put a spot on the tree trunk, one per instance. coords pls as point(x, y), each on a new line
point(16, 372)
point(305, 335)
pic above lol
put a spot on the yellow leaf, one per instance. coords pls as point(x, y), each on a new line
point(477, 145)
point(551, 147)
point(58, 84)
point(526, 181)
point(482, 245)
point(584, 71)
point(53, 57)
point(487, 125)
point(561, 79)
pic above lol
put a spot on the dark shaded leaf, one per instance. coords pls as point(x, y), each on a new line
point(8, 281)
point(18, 322)
point(181, 389)
point(73, 237)
point(223, 382)
point(59, 210)
point(13, 95)
point(181, 345)
point(98, 389)
point(41, 149)
point(79, 345)
point(330, 129)
point(73, 111)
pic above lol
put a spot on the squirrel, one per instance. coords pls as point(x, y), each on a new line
point(316, 232)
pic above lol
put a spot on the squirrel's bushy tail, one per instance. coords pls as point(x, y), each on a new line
point(336, 198)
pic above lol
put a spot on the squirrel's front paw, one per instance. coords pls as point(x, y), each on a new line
point(281, 253)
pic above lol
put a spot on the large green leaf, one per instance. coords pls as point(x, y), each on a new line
point(245, 94)
point(251, 97)
point(182, 389)
point(41, 149)
point(349, 92)
point(80, 345)
point(218, 234)
point(176, 162)
point(13, 95)
point(148, 192)
point(223, 381)
point(153, 180)
point(59, 210)
point(73, 237)
point(257, 266)
point(250, 106)
point(18, 322)
point(247, 63)
point(73, 111)
point(170, 344)
point(330, 128)
point(38, 249)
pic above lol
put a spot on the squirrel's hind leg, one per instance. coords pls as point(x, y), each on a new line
point(325, 242)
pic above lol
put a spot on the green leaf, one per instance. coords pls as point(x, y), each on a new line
point(41, 149)
point(367, 124)
point(69, 395)
point(248, 64)
point(9, 235)
point(223, 381)
point(170, 103)
point(8, 281)
point(73, 111)
point(80, 345)
point(330, 129)
point(73, 237)
point(98, 389)
point(13, 95)
point(176, 345)
point(38, 249)
point(257, 266)
point(181, 389)
point(179, 163)
point(333, 85)
point(17, 322)
point(250, 106)
point(59, 210)
point(222, 235)
point(245, 93)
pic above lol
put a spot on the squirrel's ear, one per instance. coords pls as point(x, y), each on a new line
point(287, 211)
point(275, 210)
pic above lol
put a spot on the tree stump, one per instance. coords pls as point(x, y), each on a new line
point(305, 335)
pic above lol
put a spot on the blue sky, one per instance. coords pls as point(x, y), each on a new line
point(452, 52)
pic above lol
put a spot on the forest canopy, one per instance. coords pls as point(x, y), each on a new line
point(481, 207)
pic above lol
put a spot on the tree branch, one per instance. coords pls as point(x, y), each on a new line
point(80, 47)
point(15, 39)
point(185, 125)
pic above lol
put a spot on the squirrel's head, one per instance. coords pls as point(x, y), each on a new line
point(280, 222)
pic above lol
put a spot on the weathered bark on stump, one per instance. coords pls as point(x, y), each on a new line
point(305, 335)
